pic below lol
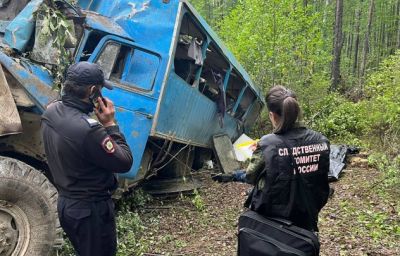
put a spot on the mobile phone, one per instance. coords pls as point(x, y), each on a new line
point(94, 98)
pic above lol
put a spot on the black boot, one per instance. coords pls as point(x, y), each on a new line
point(222, 177)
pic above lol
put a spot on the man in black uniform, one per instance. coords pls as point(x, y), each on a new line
point(83, 154)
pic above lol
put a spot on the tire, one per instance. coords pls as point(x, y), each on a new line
point(28, 211)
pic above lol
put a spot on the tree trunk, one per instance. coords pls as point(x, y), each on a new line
point(326, 11)
point(398, 24)
point(357, 41)
point(337, 46)
point(367, 34)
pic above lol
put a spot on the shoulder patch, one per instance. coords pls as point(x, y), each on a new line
point(92, 122)
point(108, 145)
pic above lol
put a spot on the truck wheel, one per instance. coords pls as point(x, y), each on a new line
point(28, 211)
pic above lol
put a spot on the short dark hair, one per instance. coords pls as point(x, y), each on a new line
point(74, 89)
point(283, 102)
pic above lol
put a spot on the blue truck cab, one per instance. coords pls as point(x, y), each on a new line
point(176, 85)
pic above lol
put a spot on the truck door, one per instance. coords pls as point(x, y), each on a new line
point(134, 72)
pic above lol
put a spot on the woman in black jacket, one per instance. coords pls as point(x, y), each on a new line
point(294, 182)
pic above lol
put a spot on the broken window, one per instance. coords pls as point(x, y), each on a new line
point(253, 114)
point(91, 43)
point(246, 101)
point(213, 73)
point(235, 86)
point(129, 66)
point(189, 53)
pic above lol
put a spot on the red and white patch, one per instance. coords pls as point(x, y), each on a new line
point(108, 145)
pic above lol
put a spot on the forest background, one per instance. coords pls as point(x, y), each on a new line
point(341, 57)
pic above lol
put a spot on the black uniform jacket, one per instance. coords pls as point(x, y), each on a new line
point(82, 154)
point(280, 195)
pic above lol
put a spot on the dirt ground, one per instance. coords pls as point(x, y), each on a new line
point(354, 222)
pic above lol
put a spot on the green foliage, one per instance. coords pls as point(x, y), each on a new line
point(198, 201)
point(374, 119)
point(389, 166)
point(383, 104)
point(278, 42)
point(58, 29)
point(337, 118)
point(67, 249)
point(213, 11)
point(129, 227)
point(137, 199)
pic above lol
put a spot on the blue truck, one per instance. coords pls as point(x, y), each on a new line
point(176, 87)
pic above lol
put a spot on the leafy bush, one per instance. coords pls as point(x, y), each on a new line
point(375, 119)
point(383, 104)
point(197, 201)
point(337, 118)
point(129, 224)
point(129, 228)
point(389, 166)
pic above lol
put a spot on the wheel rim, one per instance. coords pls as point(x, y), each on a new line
point(14, 230)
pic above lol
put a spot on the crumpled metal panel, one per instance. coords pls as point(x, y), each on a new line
point(36, 81)
point(20, 30)
point(10, 120)
point(148, 22)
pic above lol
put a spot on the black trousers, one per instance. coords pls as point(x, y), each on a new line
point(90, 226)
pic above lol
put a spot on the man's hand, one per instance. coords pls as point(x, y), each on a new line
point(104, 113)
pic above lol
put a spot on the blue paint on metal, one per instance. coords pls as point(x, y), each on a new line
point(135, 105)
point(36, 80)
point(21, 28)
point(132, 112)
point(106, 25)
point(3, 25)
point(142, 67)
point(39, 71)
point(147, 22)
point(239, 99)
point(204, 54)
point(190, 116)
point(185, 114)
point(82, 43)
point(151, 23)
point(226, 79)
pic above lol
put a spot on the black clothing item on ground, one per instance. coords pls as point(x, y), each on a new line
point(279, 196)
point(90, 226)
point(81, 153)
